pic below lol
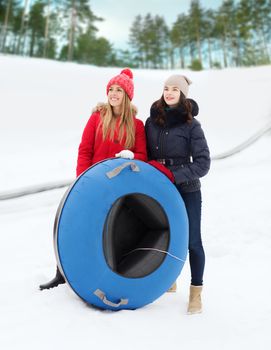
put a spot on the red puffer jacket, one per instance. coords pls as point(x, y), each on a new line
point(93, 149)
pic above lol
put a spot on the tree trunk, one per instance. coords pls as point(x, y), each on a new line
point(182, 58)
point(5, 26)
point(199, 46)
point(238, 55)
point(210, 53)
point(72, 31)
point(224, 53)
point(24, 40)
point(171, 55)
point(32, 43)
point(21, 28)
point(46, 33)
point(265, 46)
point(191, 52)
point(15, 40)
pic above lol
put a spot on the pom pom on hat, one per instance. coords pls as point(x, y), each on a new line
point(128, 72)
point(181, 81)
point(125, 81)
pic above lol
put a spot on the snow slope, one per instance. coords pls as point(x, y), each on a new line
point(43, 108)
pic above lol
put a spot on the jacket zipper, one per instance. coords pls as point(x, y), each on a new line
point(161, 144)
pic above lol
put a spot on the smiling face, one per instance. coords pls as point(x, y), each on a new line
point(171, 95)
point(115, 96)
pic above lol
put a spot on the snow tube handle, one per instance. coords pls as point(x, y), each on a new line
point(117, 170)
point(101, 295)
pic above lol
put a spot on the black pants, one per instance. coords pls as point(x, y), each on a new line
point(192, 202)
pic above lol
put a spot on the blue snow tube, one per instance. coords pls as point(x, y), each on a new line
point(121, 234)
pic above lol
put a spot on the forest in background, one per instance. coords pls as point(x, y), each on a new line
point(235, 34)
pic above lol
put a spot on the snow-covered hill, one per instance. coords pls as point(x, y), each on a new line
point(43, 109)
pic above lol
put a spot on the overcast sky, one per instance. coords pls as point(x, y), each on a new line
point(119, 15)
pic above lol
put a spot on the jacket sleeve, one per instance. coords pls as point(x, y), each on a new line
point(139, 149)
point(200, 154)
point(86, 147)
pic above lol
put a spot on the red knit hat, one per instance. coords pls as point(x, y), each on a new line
point(125, 81)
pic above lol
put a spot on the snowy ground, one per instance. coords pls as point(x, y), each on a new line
point(43, 108)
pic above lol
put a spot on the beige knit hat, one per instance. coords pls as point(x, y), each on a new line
point(181, 81)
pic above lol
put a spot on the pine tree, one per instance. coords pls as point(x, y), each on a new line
point(15, 28)
point(22, 26)
point(8, 8)
point(81, 17)
point(3, 4)
point(209, 33)
point(227, 33)
point(46, 32)
point(244, 27)
point(36, 25)
point(146, 39)
point(220, 35)
point(159, 43)
point(135, 41)
point(196, 25)
point(9, 11)
point(179, 37)
point(261, 21)
point(149, 39)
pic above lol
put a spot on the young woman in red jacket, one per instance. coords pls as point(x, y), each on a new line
point(114, 131)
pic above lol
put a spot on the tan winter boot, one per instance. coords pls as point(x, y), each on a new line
point(195, 306)
point(173, 288)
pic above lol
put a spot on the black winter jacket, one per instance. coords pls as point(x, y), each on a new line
point(180, 145)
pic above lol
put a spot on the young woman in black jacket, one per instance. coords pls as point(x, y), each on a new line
point(176, 140)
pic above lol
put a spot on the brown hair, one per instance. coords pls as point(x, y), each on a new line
point(161, 106)
point(126, 122)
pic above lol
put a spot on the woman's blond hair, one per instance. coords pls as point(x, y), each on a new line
point(126, 122)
